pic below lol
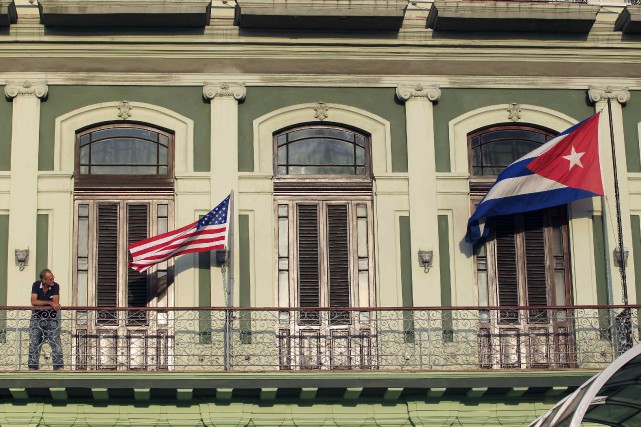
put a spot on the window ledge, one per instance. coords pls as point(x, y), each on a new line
point(385, 15)
point(124, 13)
point(483, 16)
point(8, 14)
point(629, 20)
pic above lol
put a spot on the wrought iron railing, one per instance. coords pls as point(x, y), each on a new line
point(274, 339)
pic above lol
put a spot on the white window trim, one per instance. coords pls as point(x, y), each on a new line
point(67, 125)
point(265, 126)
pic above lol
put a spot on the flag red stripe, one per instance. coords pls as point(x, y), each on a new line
point(211, 235)
point(195, 234)
point(144, 264)
point(175, 248)
point(163, 237)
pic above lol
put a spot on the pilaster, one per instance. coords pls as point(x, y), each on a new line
point(224, 168)
point(23, 191)
point(422, 188)
point(617, 96)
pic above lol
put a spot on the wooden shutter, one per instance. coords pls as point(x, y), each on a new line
point(506, 266)
point(107, 262)
point(308, 256)
point(535, 265)
point(338, 260)
point(137, 295)
point(338, 255)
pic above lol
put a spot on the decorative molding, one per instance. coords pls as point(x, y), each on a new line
point(67, 124)
point(459, 127)
point(316, 80)
point(596, 94)
point(407, 92)
point(321, 111)
point(514, 112)
point(26, 88)
point(225, 90)
point(124, 109)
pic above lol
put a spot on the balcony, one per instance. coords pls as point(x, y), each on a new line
point(364, 339)
point(8, 14)
point(124, 13)
point(343, 15)
point(512, 16)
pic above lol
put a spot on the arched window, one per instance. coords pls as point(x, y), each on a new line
point(321, 150)
point(123, 193)
point(494, 148)
point(124, 154)
point(524, 262)
point(323, 208)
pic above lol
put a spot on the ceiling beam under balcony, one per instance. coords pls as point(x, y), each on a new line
point(19, 393)
point(184, 394)
point(436, 392)
point(308, 393)
point(476, 392)
point(100, 393)
point(224, 393)
point(555, 391)
point(58, 393)
point(516, 392)
point(352, 393)
point(142, 394)
point(268, 393)
point(393, 393)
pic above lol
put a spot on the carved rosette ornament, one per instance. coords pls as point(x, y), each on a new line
point(596, 94)
point(321, 111)
point(418, 91)
point(514, 112)
point(225, 90)
point(26, 88)
point(124, 109)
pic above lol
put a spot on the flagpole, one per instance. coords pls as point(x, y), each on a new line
point(230, 256)
point(622, 321)
point(229, 318)
point(624, 284)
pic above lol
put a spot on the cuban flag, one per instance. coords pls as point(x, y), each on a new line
point(564, 169)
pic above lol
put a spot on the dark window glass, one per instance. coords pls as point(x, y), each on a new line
point(320, 150)
point(493, 149)
point(124, 150)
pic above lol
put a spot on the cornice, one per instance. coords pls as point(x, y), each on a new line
point(26, 88)
point(418, 91)
point(236, 91)
point(596, 94)
point(322, 80)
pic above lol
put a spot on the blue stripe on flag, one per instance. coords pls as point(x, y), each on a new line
point(520, 203)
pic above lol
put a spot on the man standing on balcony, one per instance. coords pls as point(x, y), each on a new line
point(45, 324)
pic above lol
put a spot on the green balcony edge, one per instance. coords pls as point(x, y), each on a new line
point(543, 384)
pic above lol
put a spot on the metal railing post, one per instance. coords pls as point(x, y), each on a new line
point(228, 335)
point(18, 335)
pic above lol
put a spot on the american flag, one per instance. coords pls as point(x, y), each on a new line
point(207, 234)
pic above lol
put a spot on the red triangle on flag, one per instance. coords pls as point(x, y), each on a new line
point(574, 161)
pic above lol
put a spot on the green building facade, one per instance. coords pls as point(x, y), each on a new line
point(356, 138)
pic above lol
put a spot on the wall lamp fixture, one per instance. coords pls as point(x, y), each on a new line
point(22, 258)
point(425, 259)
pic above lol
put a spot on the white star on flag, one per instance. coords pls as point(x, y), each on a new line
point(574, 158)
